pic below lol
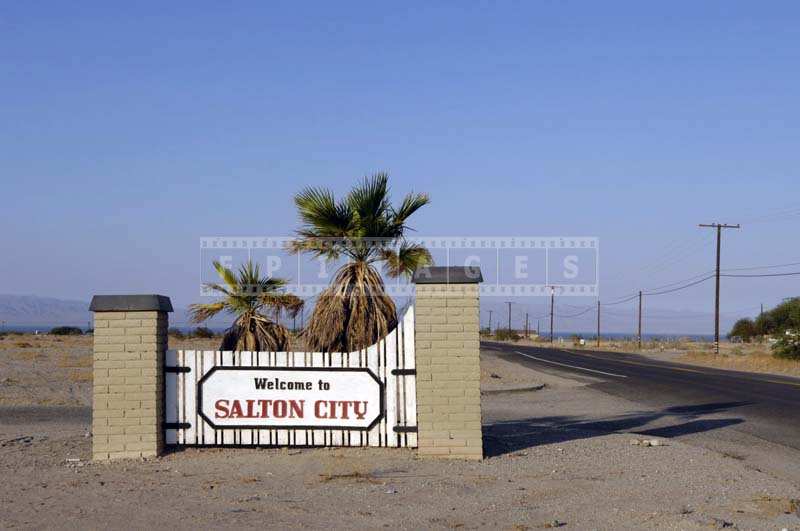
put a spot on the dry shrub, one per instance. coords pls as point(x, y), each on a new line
point(67, 361)
point(26, 355)
point(79, 376)
point(23, 344)
point(752, 360)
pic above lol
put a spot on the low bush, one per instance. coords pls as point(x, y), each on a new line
point(66, 331)
point(202, 332)
point(744, 329)
point(176, 333)
point(504, 334)
point(787, 347)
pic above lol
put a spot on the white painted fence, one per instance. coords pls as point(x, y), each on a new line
point(390, 361)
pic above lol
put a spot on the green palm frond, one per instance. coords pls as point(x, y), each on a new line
point(321, 214)
point(217, 287)
point(411, 203)
point(247, 294)
point(227, 276)
point(405, 260)
point(201, 312)
point(369, 201)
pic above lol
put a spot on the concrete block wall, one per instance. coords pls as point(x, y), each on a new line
point(448, 364)
point(128, 395)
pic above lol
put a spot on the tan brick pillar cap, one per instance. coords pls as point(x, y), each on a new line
point(130, 303)
point(448, 275)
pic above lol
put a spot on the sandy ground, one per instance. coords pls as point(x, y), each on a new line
point(558, 457)
point(56, 370)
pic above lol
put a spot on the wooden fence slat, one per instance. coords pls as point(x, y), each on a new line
point(171, 397)
point(390, 381)
point(410, 382)
point(189, 388)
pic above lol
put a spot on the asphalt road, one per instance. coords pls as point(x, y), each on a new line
point(764, 406)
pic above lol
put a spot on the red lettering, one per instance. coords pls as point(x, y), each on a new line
point(344, 406)
point(358, 411)
point(279, 408)
point(222, 409)
point(236, 410)
point(296, 408)
point(264, 405)
point(250, 408)
point(318, 409)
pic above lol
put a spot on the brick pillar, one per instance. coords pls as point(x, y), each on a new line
point(448, 362)
point(130, 339)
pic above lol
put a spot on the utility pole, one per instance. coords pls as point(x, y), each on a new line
point(640, 320)
point(719, 227)
point(526, 325)
point(598, 323)
point(509, 316)
point(490, 321)
point(552, 303)
point(538, 328)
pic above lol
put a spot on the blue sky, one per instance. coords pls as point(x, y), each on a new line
point(128, 131)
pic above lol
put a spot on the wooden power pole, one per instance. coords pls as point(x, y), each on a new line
point(640, 320)
point(719, 227)
point(598, 323)
point(552, 303)
point(509, 316)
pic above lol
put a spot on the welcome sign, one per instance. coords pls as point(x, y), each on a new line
point(290, 397)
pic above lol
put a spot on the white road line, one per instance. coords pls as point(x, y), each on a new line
point(570, 366)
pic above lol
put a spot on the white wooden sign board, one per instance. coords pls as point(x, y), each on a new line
point(298, 397)
point(366, 398)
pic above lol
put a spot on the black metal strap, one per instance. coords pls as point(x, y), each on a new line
point(405, 429)
point(177, 425)
point(404, 372)
point(169, 368)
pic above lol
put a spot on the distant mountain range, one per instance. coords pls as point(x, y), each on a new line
point(30, 310)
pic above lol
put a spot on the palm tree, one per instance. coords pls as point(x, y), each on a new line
point(249, 296)
point(355, 311)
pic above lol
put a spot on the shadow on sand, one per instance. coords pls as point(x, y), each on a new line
point(513, 435)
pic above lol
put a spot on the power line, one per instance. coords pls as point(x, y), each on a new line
point(775, 266)
point(587, 310)
point(708, 275)
point(681, 281)
point(776, 215)
point(764, 275)
point(679, 288)
point(621, 301)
